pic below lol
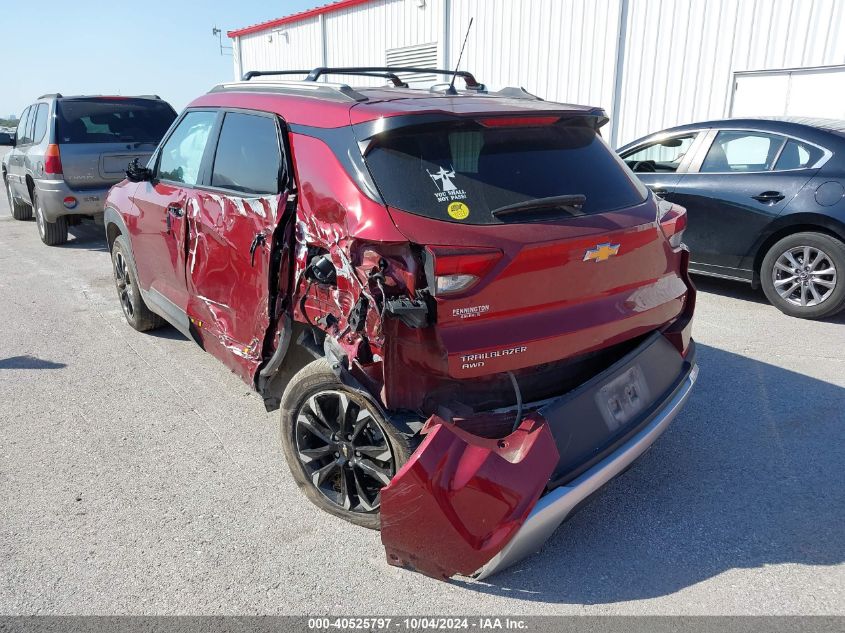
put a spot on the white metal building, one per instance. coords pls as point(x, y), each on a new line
point(651, 63)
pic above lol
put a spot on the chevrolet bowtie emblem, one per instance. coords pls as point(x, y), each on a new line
point(602, 252)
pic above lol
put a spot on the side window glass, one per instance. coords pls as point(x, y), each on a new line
point(40, 127)
point(662, 156)
point(31, 123)
point(181, 156)
point(23, 126)
point(735, 151)
point(248, 157)
point(798, 155)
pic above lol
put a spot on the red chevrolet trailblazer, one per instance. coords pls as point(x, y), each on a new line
point(494, 312)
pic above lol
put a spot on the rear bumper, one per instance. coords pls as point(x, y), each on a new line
point(472, 504)
point(554, 507)
point(53, 192)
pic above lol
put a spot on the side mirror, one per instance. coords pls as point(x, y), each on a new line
point(6, 138)
point(136, 172)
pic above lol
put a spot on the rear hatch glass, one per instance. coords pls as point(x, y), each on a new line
point(112, 120)
point(99, 137)
point(476, 173)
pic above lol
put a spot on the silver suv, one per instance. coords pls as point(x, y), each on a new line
point(68, 151)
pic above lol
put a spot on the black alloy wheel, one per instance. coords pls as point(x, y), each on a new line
point(340, 445)
point(343, 450)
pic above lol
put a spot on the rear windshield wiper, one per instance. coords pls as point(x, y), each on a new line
point(571, 204)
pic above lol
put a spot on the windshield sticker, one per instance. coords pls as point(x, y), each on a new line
point(458, 211)
point(448, 189)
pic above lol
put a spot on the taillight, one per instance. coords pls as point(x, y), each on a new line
point(673, 220)
point(52, 160)
point(451, 270)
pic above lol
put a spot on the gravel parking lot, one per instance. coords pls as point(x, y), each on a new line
point(137, 475)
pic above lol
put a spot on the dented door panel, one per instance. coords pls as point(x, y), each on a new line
point(158, 231)
point(228, 269)
point(460, 498)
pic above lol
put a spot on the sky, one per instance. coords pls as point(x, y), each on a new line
point(122, 47)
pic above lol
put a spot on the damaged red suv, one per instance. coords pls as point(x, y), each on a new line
point(495, 312)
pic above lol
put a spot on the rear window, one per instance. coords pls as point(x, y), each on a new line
point(464, 171)
point(798, 155)
point(112, 120)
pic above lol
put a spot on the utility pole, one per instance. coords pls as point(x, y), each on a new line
point(219, 34)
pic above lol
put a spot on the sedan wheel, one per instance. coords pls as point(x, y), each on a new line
point(802, 275)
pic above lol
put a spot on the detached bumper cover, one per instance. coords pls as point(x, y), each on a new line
point(461, 498)
point(469, 505)
point(552, 509)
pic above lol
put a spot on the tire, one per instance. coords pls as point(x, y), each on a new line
point(20, 210)
point(51, 233)
point(137, 314)
point(803, 275)
point(304, 428)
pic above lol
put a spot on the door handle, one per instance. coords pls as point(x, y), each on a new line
point(659, 191)
point(769, 197)
point(260, 239)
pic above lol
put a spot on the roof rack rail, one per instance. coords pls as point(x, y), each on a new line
point(395, 80)
point(334, 91)
point(467, 76)
point(57, 95)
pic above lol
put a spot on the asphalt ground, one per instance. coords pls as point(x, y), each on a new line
point(139, 476)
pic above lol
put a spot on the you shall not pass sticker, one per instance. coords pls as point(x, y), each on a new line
point(448, 190)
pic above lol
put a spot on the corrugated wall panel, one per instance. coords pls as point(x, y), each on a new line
point(291, 46)
point(680, 57)
point(361, 35)
point(563, 50)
